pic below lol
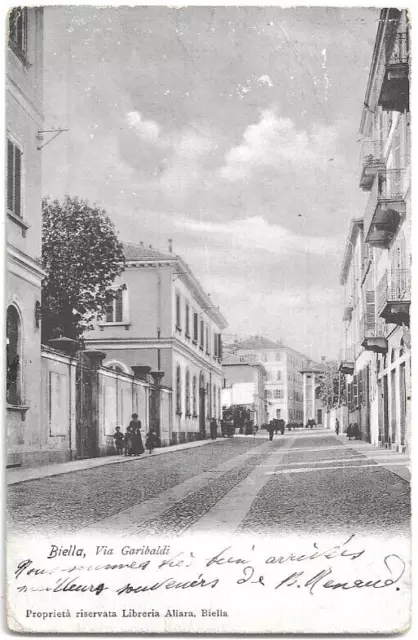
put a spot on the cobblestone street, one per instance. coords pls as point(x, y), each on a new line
point(304, 481)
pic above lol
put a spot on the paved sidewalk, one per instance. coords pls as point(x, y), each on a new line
point(393, 461)
point(14, 476)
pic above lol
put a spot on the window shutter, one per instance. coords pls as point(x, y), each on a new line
point(355, 391)
point(370, 311)
point(119, 307)
point(220, 346)
point(360, 386)
point(10, 174)
point(109, 312)
point(18, 182)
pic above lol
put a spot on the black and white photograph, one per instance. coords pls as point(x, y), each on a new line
point(208, 421)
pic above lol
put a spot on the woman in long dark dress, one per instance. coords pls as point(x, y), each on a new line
point(137, 445)
point(134, 430)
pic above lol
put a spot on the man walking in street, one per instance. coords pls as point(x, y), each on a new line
point(270, 429)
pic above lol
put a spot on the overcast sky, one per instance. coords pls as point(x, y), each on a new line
point(232, 131)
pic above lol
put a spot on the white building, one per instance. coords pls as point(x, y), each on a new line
point(244, 385)
point(27, 439)
point(284, 381)
point(165, 322)
point(377, 263)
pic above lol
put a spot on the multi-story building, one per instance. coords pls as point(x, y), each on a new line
point(24, 120)
point(284, 382)
point(356, 362)
point(163, 321)
point(380, 261)
point(244, 378)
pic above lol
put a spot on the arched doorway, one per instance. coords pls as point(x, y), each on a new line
point(202, 404)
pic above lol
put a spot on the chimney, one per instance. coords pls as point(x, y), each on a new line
point(170, 245)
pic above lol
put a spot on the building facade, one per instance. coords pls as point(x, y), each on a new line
point(244, 384)
point(377, 264)
point(163, 322)
point(284, 380)
point(27, 438)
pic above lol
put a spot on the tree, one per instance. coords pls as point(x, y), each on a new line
point(332, 387)
point(81, 256)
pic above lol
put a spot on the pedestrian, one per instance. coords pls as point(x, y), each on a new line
point(270, 429)
point(134, 431)
point(119, 441)
point(356, 432)
point(337, 426)
point(151, 440)
point(350, 431)
point(213, 428)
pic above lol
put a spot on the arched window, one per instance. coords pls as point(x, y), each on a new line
point(178, 389)
point(13, 355)
point(115, 365)
point(194, 392)
point(187, 393)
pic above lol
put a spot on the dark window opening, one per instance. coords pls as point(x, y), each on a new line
point(13, 356)
point(18, 29)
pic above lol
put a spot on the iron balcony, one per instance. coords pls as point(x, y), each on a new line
point(394, 93)
point(385, 207)
point(394, 296)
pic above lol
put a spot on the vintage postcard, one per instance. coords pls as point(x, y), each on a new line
point(208, 216)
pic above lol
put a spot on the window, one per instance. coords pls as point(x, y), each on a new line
point(279, 375)
point(187, 321)
point(207, 339)
point(195, 328)
point(267, 393)
point(278, 394)
point(278, 355)
point(114, 310)
point(18, 30)
point(264, 357)
point(194, 400)
point(13, 356)
point(14, 179)
point(202, 334)
point(208, 403)
point(187, 394)
point(178, 390)
point(217, 348)
point(178, 313)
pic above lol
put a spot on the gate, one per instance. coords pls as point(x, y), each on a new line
point(85, 436)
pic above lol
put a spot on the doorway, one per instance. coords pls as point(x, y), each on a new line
point(402, 402)
point(385, 411)
point(202, 405)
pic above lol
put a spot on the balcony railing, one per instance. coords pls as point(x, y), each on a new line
point(386, 203)
point(371, 161)
point(347, 359)
point(373, 335)
point(394, 296)
point(400, 50)
point(391, 184)
point(394, 94)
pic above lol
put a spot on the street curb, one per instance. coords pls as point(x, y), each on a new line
point(102, 462)
point(371, 452)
